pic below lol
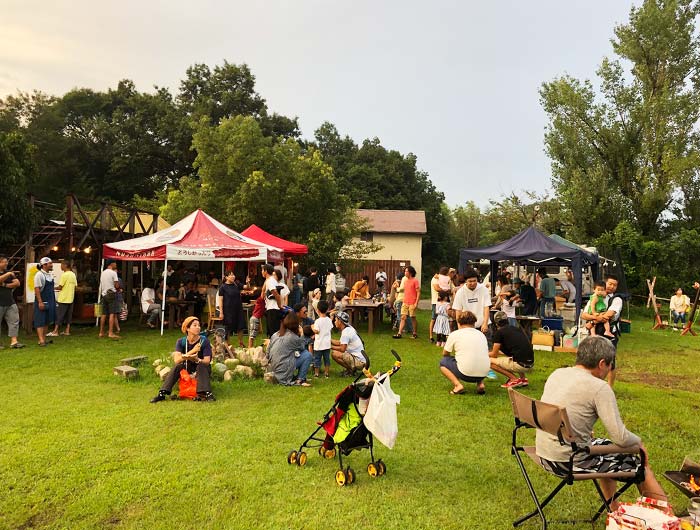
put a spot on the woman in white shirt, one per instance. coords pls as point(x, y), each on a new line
point(680, 303)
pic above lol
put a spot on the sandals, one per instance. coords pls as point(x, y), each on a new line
point(459, 392)
point(415, 335)
point(397, 336)
point(299, 382)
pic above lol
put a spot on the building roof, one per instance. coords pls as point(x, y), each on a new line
point(395, 221)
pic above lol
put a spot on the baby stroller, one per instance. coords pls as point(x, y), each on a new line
point(342, 429)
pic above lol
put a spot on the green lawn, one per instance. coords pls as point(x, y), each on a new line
point(81, 448)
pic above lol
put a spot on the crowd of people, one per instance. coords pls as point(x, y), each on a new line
point(301, 312)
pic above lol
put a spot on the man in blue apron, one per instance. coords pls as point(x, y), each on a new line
point(44, 299)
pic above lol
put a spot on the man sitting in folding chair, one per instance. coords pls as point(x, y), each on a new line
point(573, 399)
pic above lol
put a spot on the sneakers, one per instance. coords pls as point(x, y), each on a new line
point(491, 375)
point(160, 397)
point(515, 383)
point(17, 345)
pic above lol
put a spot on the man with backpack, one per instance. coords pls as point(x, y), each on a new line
point(612, 315)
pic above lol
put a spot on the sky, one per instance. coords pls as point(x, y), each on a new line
point(455, 83)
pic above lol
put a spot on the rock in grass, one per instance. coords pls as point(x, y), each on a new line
point(228, 375)
point(232, 363)
point(164, 373)
point(245, 371)
point(158, 362)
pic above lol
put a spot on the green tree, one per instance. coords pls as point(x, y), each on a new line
point(246, 177)
point(17, 179)
point(624, 154)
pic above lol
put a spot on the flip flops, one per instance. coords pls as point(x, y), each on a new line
point(459, 392)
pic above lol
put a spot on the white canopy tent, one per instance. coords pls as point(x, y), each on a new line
point(197, 237)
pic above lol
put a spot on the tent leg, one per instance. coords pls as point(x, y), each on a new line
point(162, 309)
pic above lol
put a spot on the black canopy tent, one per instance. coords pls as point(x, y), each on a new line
point(532, 247)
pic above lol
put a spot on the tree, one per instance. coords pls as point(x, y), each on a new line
point(625, 154)
point(17, 179)
point(246, 177)
point(383, 179)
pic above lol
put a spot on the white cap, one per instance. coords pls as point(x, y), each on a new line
point(45, 260)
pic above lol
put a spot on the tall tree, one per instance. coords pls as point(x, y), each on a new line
point(624, 154)
point(246, 177)
point(17, 179)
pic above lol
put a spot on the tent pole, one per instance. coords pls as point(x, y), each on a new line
point(222, 272)
point(99, 290)
point(162, 309)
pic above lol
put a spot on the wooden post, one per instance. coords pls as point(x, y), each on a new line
point(658, 323)
point(689, 325)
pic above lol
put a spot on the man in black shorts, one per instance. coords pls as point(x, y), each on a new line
point(512, 353)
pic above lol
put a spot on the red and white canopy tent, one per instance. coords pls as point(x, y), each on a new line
point(290, 248)
point(197, 237)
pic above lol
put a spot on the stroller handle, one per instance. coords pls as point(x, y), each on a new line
point(396, 355)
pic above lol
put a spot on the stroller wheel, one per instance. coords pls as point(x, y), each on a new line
point(301, 459)
point(292, 457)
point(330, 453)
point(350, 475)
point(340, 477)
point(321, 451)
point(381, 468)
point(372, 469)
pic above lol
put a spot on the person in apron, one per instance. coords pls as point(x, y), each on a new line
point(44, 299)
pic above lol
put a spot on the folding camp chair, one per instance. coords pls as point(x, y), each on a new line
point(533, 414)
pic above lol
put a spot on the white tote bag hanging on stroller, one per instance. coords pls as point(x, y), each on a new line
point(380, 418)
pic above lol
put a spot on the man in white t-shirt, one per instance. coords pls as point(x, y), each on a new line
point(471, 360)
point(109, 285)
point(473, 297)
point(348, 352)
point(149, 306)
point(273, 300)
point(380, 278)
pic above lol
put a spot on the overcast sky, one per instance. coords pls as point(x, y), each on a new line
point(456, 83)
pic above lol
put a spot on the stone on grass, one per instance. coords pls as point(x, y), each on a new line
point(134, 361)
point(228, 375)
point(245, 371)
point(232, 363)
point(128, 372)
point(164, 373)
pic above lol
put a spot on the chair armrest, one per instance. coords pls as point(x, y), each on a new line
point(611, 449)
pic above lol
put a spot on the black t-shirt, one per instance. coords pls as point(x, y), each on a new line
point(515, 344)
point(6, 299)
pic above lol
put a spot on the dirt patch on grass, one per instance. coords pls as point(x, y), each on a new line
point(667, 381)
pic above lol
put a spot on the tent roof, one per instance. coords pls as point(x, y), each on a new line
point(196, 237)
point(529, 245)
point(289, 247)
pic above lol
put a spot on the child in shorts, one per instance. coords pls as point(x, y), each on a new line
point(254, 324)
point(598, 306)
point(322, 342)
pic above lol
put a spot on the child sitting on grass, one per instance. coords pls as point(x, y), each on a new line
point(254, 324)
point(322, 343)
point(597, 306)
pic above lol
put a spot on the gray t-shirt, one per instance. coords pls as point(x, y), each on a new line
point(586, 398)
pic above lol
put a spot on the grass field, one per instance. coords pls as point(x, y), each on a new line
point(81, 448)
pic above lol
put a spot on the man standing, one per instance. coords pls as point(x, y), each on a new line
point(546, 290)
point(309, 285)
point(44, 299)
point(568, 288)
point(8, 307)
point(582, 391)
point(527, 296)
point(512, 352)
point(380, 278)
point(109, 285)
point(273, 300)
point(410, 301)
point(66, 295)
point(348, 352)
point(475, 298)
point(612, 315)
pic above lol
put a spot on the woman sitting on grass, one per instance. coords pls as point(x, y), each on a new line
point(287, 353)
point(192, 353)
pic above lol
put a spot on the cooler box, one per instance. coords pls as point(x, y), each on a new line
point(553, 323)
point(570, 341)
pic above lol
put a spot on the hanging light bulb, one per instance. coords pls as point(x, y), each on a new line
point(55, 248)
point(87, 250)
